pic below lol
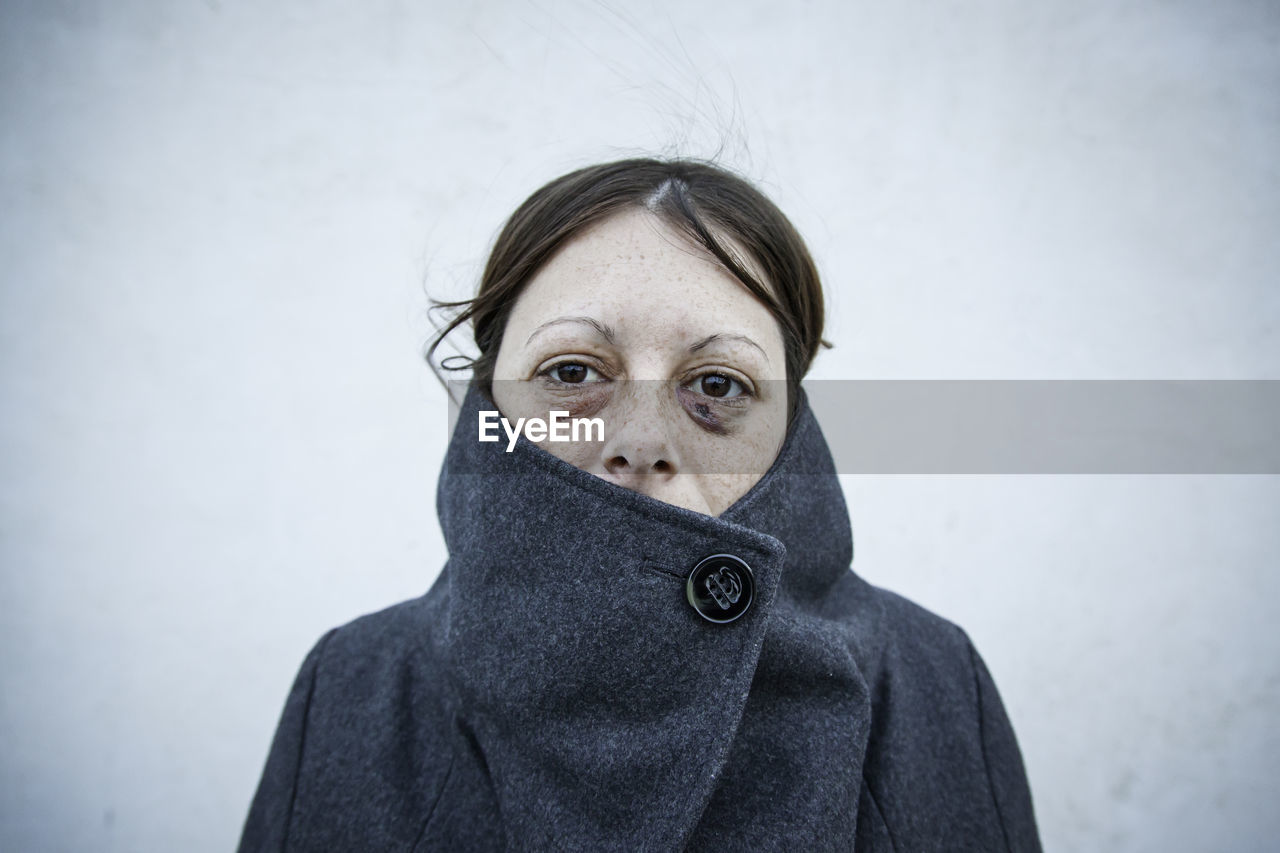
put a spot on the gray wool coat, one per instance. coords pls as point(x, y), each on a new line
point(556, 689)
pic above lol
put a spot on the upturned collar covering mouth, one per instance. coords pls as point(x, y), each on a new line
point(585, 653)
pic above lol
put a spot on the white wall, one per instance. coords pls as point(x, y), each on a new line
point(219, 440)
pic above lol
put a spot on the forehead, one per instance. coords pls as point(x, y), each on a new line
point(634, 269)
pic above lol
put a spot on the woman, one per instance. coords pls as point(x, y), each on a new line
point(649, 638)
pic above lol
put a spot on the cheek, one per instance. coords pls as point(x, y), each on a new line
point(513, 398)
point(587, 400)
point(726, 442)
point(745, 452)
point(728, 466)
point(580, 454)
point(722, 491)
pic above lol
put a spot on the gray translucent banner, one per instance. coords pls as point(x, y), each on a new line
point(987, 426)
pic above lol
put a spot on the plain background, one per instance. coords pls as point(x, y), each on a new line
point(220, 221)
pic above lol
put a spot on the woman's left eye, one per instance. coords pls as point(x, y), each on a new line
point(718, 385)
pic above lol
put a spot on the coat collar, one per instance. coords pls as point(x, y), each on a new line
point(796, 512)
point(579, 673)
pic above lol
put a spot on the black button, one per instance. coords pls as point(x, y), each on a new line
point(720, 588)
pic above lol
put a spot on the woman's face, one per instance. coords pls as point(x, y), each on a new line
point(630, 323)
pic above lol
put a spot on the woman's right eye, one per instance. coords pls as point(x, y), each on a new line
point(572, 373)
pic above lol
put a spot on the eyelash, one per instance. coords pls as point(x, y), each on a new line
point(739, 399)
point(548, 372)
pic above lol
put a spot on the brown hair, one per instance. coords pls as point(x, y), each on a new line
point(696, 197)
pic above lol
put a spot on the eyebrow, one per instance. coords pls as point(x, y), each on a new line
point(610, 336)
point(725, 336)
point(603, 330)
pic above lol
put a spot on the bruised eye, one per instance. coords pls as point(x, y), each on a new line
point(718, 385)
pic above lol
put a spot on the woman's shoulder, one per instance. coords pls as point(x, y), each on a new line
point(356, 724)
point(381, 643)
point(894, 629)
point(941, 739)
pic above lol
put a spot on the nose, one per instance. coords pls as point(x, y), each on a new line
point(630, 469)
point(639, 453)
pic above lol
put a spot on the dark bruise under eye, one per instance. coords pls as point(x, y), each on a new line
point(709, 419)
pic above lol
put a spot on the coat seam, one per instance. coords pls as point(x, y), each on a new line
point(435, 803)
point(302, 736)
point(982, 737)
point(871, 792)
point(658, 568)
